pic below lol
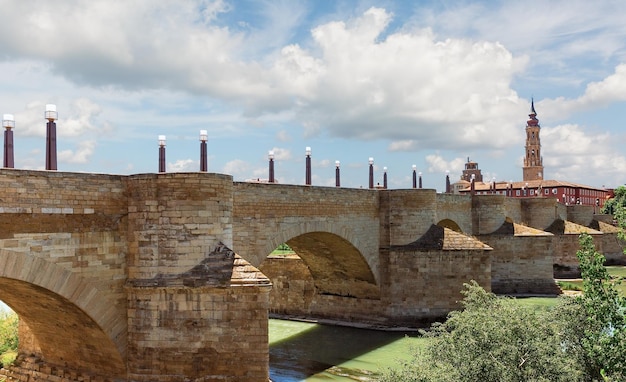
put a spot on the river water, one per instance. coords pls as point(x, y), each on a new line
point(303, 351)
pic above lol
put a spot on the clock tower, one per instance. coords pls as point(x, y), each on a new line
point(533, 162)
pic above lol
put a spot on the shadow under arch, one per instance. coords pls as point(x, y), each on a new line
point(72, 324)
point(450, 224)
point(337, 267)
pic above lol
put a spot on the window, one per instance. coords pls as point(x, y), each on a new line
point(554, 191)
point(532, 192)
point(517, 192)
point(547, 192)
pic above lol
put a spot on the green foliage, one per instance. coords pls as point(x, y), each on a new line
point(8, 337)
point(493, 339)
point(497, 339)
point(570, 285)
point(604, 337)
point(7, 358)
point(616, 206)
point(8, 331)
point(284, 247)
point(619, 200)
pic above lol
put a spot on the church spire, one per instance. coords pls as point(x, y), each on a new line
point(533, 161)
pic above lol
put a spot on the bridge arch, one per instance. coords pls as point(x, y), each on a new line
point(336, 266)
point(73, 323)
point(337, 239)
point(450, 224)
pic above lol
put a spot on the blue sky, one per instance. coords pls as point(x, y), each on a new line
point(425, 83)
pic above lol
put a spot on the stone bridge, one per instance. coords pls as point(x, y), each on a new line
point(167, 277)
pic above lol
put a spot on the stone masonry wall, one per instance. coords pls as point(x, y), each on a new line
point(456, 208)
point(488, 213)
point(427, 284)
point(521, 264)
point(566, 263)
point(188, 308)
point(204, 334)
point(410, 214)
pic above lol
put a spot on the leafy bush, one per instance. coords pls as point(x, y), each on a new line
point(492, 339)
point(8, 337)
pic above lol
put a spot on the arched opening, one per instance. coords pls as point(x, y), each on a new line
point(60, 333)
point(323, 275)
point(450, 224)
point(64, 320)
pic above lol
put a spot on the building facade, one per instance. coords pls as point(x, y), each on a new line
point(533, 184)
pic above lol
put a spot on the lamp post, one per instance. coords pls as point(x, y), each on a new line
point(51, 137)
point(204, 163)
point(371, 162)
point(161, 153)
point(472, 186)
point(307, 176)
point(447, 182)
point(414, 167)
point(337, 175)
point(270, 155)
point(8, 122)
point(420, 179)
point(385, 177)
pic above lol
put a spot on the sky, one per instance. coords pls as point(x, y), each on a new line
point(424, 83)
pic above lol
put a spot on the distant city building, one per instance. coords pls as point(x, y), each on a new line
point(533, 184)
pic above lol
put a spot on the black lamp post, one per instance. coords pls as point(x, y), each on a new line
point(204, 162)
point(161, 153)
point(51, 137)
point(385, 178)
point(307, 177)
point(8, 122)
point(271, 164)
point(371, 182)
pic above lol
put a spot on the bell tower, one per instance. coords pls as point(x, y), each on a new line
point(533, 161)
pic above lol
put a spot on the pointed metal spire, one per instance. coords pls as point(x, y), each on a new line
point(532, 106)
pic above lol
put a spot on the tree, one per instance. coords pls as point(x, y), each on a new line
point(616, 206)
point(604, 337)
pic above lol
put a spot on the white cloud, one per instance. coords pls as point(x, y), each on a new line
point(356, 81)
point(183, 165)
point(237, 168)
point(281, 154)
point(575, 154)
point(437, 163)
point(403, 145)
point(407, 86)
point(81, 155)
point(597, 94)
